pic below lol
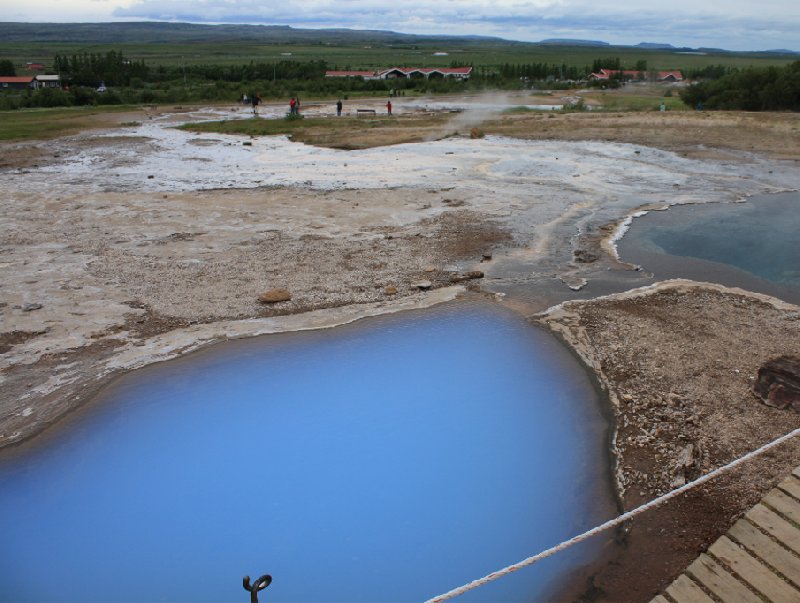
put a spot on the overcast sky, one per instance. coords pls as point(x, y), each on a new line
point(730, 24)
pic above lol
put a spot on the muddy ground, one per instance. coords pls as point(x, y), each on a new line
point(125, 245)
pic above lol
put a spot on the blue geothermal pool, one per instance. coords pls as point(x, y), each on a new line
point(753, 245)
point(389, 460)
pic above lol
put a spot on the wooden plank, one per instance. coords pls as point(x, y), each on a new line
point(716, 579)
point(783, 504)
point(791, 485)
point(796, 472)
point(767, 549)
point(752, 571)
point(776, 526)
point(683, 590)
point(659, 599)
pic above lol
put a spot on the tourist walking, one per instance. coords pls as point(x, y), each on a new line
point(339, 108)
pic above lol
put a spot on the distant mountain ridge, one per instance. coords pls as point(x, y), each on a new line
point(573, 42)
point(161, 32)
point(655, 45)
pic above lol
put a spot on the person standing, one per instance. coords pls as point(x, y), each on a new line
point(339, 108)
point(254, 100)
point(292, 106)
point(389, 107)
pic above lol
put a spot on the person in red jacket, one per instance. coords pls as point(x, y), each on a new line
point(389, 107)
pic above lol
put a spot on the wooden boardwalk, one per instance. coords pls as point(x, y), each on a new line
point(758, 559)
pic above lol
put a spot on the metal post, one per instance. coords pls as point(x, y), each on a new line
point(260, 584)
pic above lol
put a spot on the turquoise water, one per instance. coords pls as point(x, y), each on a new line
point(754, 244)
point(390, 460)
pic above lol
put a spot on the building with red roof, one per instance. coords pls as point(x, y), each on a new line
point(16, 82)
point(631, 75)
point(461, 73)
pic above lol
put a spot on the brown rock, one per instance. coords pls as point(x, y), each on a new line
point(465, 276)
point(778, 383)
point(390, 290)
point(274, 296)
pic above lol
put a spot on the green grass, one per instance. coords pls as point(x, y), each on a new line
point(485, 53)
point(615, 102)
point(26, 124)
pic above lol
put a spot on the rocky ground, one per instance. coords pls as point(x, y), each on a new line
point(120, 248)
point(678, 362)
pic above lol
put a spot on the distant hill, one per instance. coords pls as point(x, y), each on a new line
point(157, 32)
point(570, 42)
point(655, 45)
point(164, 33)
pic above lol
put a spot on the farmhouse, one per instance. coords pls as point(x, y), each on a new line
point(47, 81)
point(29, 82)
point(637, 76)
point(460, 73)
point(18, 82)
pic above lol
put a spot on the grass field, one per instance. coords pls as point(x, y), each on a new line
point(41, 124)
point(479, 54)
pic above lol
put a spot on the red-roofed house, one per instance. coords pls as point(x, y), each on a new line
point(461, 73)
point(18, 82)
point(661, 76)
point(34, 66)
point(670, 76)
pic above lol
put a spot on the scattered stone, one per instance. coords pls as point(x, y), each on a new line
point(275, 296)
point(476, 133)
point(31, 307)
point(429, 269)
point(150, 177)
point(422, 285)
point(778, 383)
point(487, 256)
point(457, 277)
point(574, 283)
point(685, 458)
point(247, 143)
point(582, 256)
point(390, 290)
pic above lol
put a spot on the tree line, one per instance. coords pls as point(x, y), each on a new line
point(133, 81)
point(754, 89)
point(89, 69)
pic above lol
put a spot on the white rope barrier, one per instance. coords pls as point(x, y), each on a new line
point(656, 502)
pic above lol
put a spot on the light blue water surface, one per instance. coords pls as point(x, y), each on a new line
point(390, 460)
point(752, 244)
